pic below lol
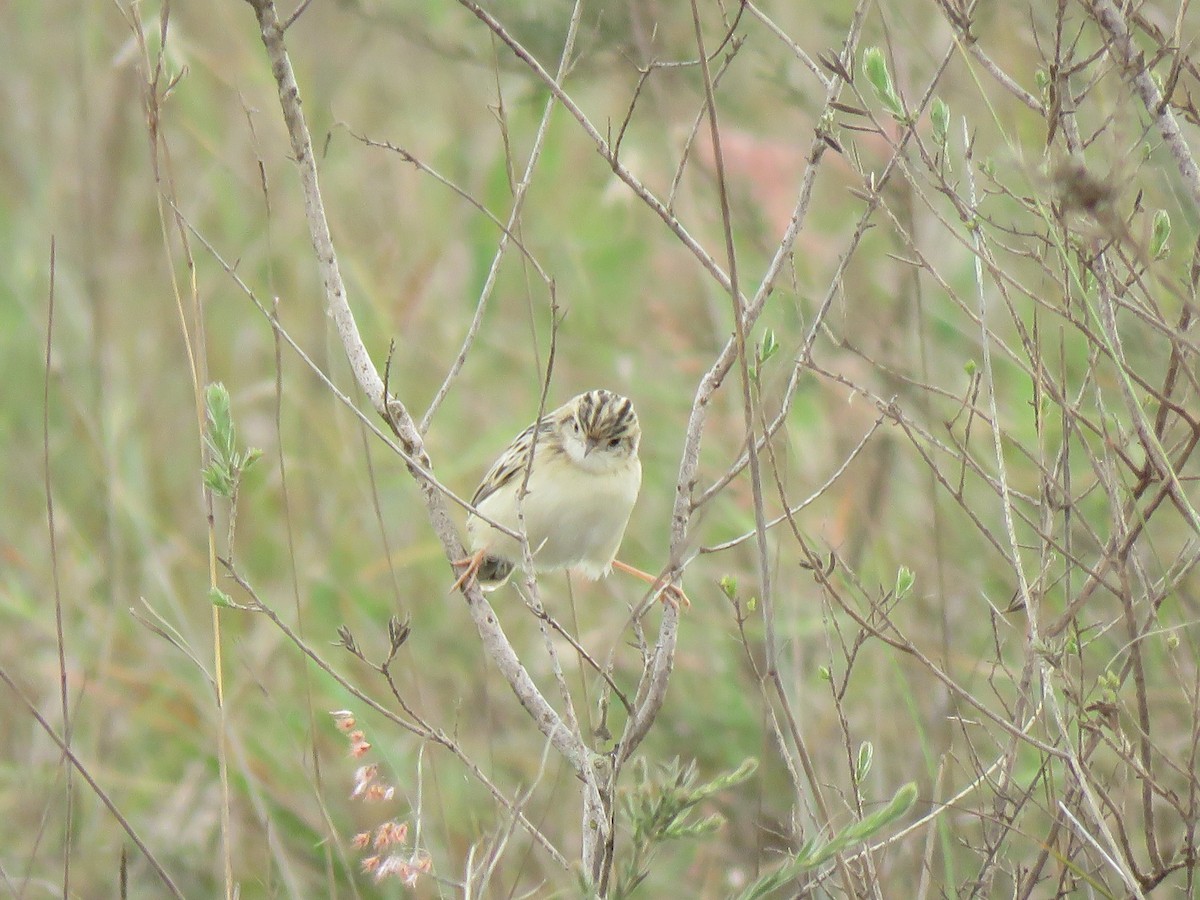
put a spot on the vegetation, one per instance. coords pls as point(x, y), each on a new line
point(904, 295)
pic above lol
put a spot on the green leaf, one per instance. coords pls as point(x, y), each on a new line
point(857, 832)
point(939, 115)
point(218, 480)
point(811, 855)
point(723, 782)
point(866, 754)
point(222, 437)
point(769, 346)
point(768, 884)
point(705, 826)
point(659, 809)
point(1160, 235)
point(226, 463)
point(876, 70)
point(728, 586)
point(904, 581)
point(217, 399)
point(218, 597)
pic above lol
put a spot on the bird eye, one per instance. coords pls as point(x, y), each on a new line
point(614, 443)
point(575, 425)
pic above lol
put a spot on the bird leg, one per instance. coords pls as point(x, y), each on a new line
point(472, 564)
point(671, 594)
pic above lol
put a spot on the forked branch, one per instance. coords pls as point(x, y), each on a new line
point(495, 642)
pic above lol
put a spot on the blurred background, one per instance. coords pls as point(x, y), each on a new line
point(331, 530)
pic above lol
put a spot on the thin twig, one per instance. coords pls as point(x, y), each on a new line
point(59, 635)
point(66, 751)
point(495, 643)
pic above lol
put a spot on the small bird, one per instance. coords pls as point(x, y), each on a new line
point(582, 486)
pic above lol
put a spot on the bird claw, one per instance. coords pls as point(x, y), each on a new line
point(674, 595)
point(472, 564)
point(667, 593)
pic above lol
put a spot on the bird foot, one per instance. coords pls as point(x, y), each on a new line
point(674, 595)
point(669, 594)
point(471, 564)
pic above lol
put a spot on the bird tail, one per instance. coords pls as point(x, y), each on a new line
point(493, 572)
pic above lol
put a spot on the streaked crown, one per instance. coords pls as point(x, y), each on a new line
point(605, 421)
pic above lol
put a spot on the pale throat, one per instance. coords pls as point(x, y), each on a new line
point(601, 461)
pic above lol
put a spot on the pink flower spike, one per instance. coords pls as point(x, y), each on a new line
point(364, 777)
point(393, 865)
point(410, 876)
point(383, 835)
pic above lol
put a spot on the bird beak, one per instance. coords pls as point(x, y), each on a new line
point(590, 445)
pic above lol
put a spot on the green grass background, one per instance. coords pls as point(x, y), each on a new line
point(123, 443)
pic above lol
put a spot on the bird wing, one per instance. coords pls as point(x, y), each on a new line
point(511, 463)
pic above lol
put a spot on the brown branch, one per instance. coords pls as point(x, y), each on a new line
point(495, 642)
point(1133, 63)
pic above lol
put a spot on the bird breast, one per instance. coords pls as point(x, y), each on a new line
point(574, 517)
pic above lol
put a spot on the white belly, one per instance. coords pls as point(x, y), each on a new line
point(573, 518)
